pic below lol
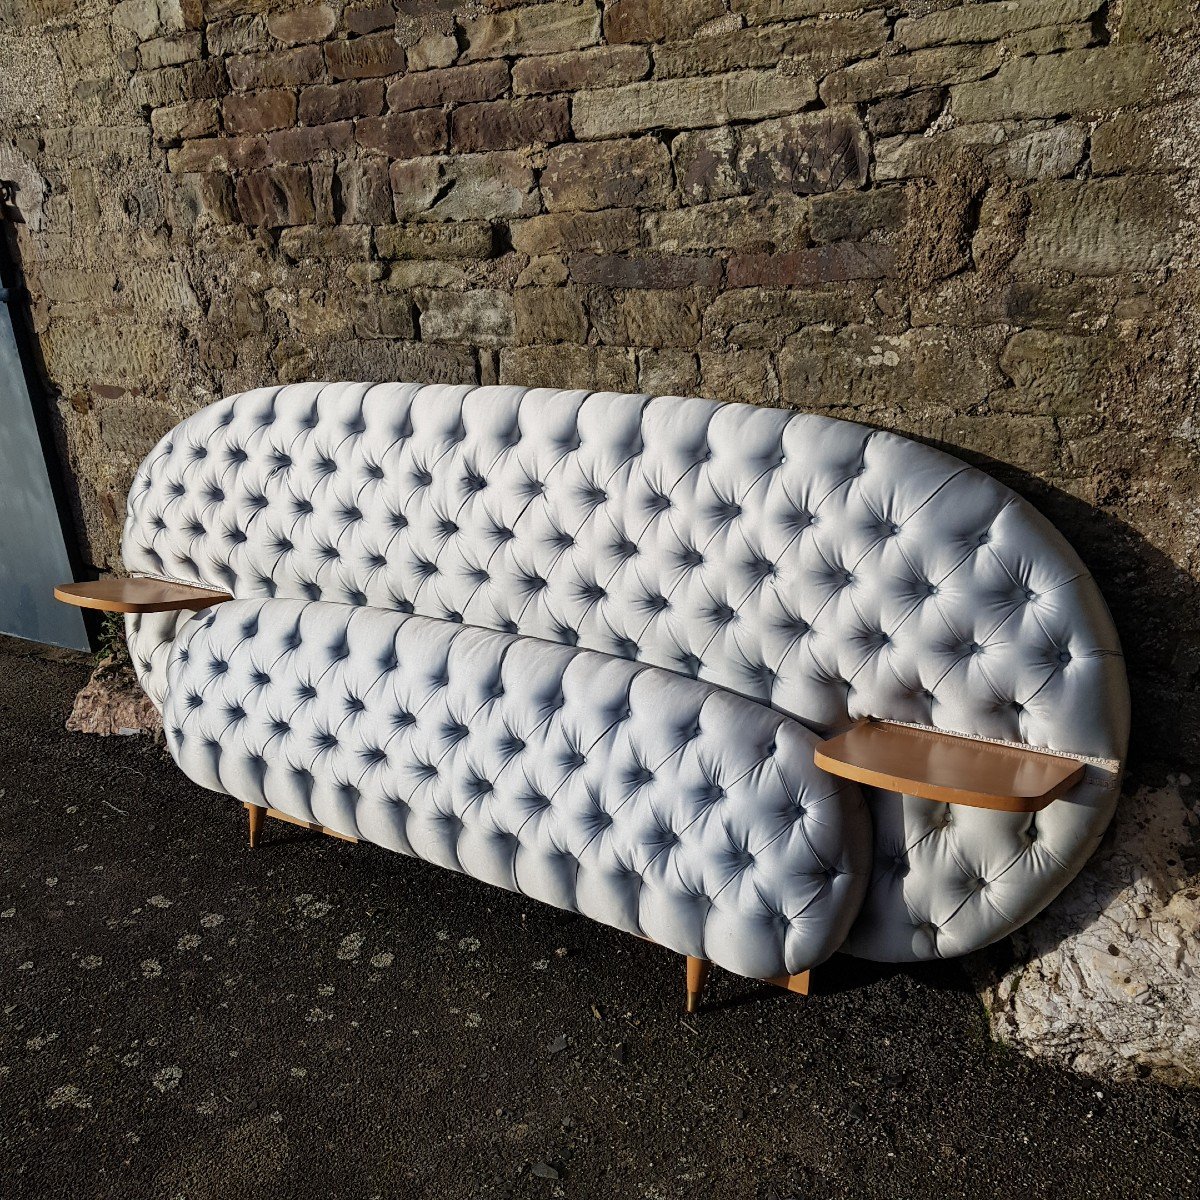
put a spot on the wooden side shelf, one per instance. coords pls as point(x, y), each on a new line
point(138, 596)
point(946, 767)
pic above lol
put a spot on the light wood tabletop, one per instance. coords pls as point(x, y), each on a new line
point(138, 595)
point(947, 767)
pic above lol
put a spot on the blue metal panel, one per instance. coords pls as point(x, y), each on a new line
point(33, 552)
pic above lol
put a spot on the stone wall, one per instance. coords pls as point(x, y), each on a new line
point(970, 222)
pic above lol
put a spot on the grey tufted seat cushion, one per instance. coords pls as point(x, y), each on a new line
point(830, 571)
point(658, 804)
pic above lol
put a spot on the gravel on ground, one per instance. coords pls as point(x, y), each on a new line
point(182, 1017)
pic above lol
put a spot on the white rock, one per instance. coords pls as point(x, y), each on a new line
point(1106, 981)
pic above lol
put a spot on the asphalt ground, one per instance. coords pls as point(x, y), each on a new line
point(182, 1017)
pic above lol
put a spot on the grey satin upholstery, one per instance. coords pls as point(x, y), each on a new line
point(823, 569)
point(661, 805)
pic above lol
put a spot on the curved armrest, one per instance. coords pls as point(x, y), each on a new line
point(138, 596)
point(947, 767)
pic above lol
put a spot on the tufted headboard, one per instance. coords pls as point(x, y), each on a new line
point(828, 570)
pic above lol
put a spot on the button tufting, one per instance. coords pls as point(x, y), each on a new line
point(294, 493)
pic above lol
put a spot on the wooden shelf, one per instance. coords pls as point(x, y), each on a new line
point(946, 767)
point(138, 596)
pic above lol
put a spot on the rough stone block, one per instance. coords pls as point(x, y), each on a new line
point(170, 51)
point(906, 114)
point(244, 34)
point(689, 103)
point(432, 51)
point(466, 187)
point(1150, 18)
point(218, 154)
point(548, 315)
point(454, 85)
point(584, 177)
point(543, 270)
point(1078, 82)
point(645, 318)
point(339, 241)
point(744, 222)
point(428, 239)
point(560, 233)
point(909, 157)
point(855, 216)
point(192, 81)
point(379, 315)
point(192, 119)
point(480, 318)
point(1134, 141)
point(192, 199)
point(366, 191)
point(538, 29)
point(369, 17)
point(259, 112)
point(367, 57)
point(668, 373)
point(323, 103)
point(1102, 226)
point(305, 23)
point(304, 145)
point(274, 198)
point(75, 285)
point(1050, 153)
point(861, 368)
point(139, 17)
point(817, 45)
point(766, 317)
point(386, 361)
point(86, 352)
point(1054, 373)
point(645, 270)
point(603, 66)
point(739, 376)
point(762, 12)
point(654, 20)
point(987, 22)
point(404, 135)
point(508, 124)
point(594, 368)
point(895, 74)
point(278, 68)
point(706, 165)
point(836, 263)
point(804, 154)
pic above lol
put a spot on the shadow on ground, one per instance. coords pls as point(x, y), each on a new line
point(183, 1018)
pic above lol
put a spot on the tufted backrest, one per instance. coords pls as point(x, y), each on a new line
point(828, 570)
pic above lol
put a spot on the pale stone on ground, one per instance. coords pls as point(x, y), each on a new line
point(1109, 975)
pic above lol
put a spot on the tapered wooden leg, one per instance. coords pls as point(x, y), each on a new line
point(258, 817)
point(697, 977)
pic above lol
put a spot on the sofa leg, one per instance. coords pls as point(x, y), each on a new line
point(793, 983)
point(258, 817)
point(697, 977)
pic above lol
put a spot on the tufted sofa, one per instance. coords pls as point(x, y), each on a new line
point(582, 645)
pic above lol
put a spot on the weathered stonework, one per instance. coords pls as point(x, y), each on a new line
point(970, 222)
